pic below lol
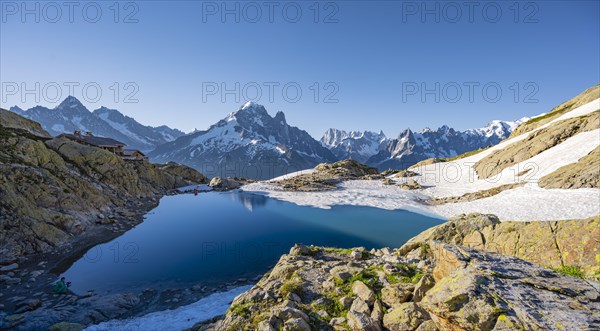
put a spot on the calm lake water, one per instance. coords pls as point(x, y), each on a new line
point(214, 238)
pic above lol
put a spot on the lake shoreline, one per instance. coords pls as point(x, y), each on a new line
point(33, 296)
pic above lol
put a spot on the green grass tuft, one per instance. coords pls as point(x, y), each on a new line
point(291, 286)
point(573, 270)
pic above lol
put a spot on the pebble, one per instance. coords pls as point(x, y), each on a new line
point(13, 281)
point(28, 305)
point(87, 294)
point(9, 267)
point(356, 255)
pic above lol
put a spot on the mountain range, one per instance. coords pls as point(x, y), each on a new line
point(251, 143)
point(410, 147)
point(71, 115)
point(248, 143)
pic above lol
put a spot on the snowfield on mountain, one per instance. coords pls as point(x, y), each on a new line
point(526, 202)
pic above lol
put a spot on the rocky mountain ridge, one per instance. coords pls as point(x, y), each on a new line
point(251, 143)
point(53, 190)
point(376, 150)
point(71, 115)
point(247, 143)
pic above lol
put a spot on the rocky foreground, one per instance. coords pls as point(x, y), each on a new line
point(425, 285)
point(58, 198)
point(53, 190)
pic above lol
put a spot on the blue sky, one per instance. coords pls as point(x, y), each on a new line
point(369, 61)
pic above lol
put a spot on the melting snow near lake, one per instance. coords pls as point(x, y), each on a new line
point(176, 319)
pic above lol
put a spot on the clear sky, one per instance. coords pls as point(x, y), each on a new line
point(360, 65)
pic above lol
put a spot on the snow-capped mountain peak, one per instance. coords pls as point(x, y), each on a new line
point(71, 102)
point(249, 105)
point(249, 143)
point(411, 147)
point(354, 144)
point(71, 115)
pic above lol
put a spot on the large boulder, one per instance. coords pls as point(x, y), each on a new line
point(485, 289)
point(361, 322)
point(404, 317)
point(393, 295)
point(547, 243)
point(224, 184)
point(363, 292)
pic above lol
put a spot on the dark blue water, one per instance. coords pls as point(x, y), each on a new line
point(214, 238)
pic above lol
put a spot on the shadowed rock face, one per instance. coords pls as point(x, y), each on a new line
point(54, 189)
point(436, 286)
point(11, 120)
point(547, 243)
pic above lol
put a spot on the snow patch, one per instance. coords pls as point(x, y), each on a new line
point(176, 319)
point(526, 203)
point(58, 128)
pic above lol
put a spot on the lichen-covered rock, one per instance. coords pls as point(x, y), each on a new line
point(53, 190)
point(406, 316)
point(226, 184)
point(424, 285)
point(363, 292)
point(347, 168)
point(410, 184)
point(585, 173)
point(405, 173)
point(360, 306)
point(547, 243)
point(296, 324)
point(66, 326)
point(327, 175)
point(536, 143)
point(460, 289)
point(393, 295)
point(486, 288)
point(358, 321)
point(11, 120)
point(377, 312)
point(183, 171)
